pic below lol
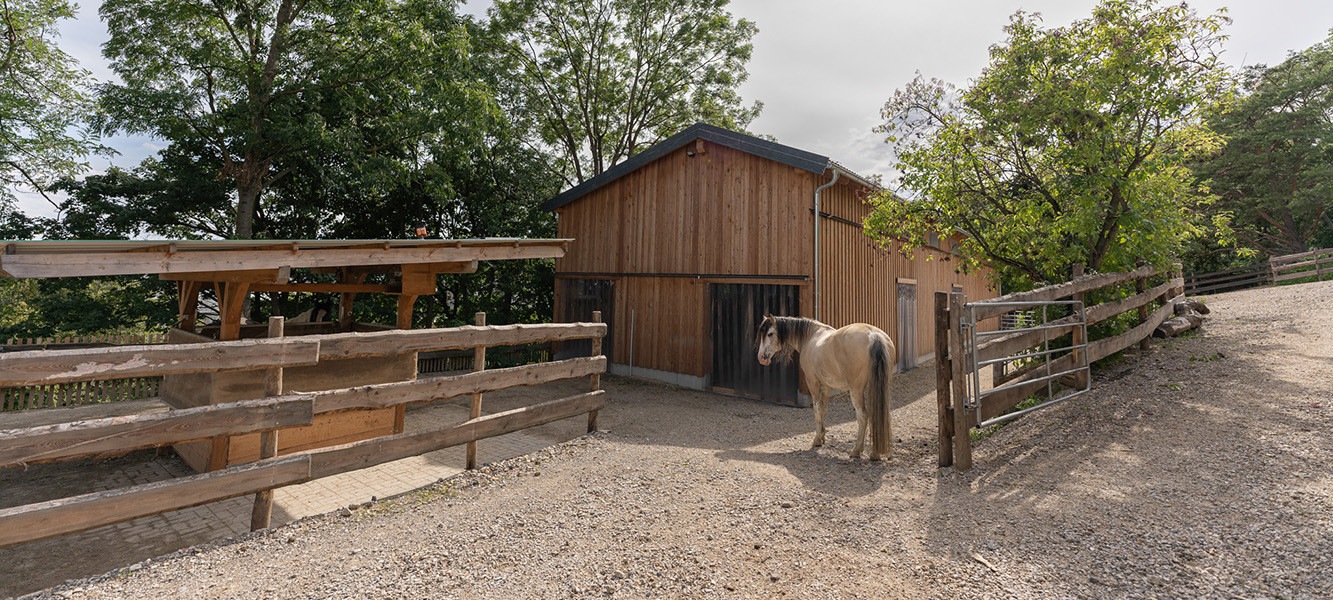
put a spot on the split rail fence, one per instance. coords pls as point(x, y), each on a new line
point(1315, 263)
point(113, 436)
point(962, 406)
point(79, 392)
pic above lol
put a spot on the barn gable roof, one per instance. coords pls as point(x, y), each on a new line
point(774, 151)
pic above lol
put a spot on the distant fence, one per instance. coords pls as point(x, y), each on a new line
point(1315, 263)
point(80, 392)
point(961, 353)
point(270, 415)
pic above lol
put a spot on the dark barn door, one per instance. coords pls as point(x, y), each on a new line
point(737, 310)
point(580, 298)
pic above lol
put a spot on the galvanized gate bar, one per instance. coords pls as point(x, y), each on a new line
point(975, 394)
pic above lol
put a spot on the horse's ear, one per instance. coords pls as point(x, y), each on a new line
point(768, 316)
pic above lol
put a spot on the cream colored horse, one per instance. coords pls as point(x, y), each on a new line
point(858, 358)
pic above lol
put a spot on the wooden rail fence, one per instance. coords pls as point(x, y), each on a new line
point(1315, 263)
point(120, 434)
point(957, 364)
point(82, 392)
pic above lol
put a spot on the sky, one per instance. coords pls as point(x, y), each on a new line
point(824, 69)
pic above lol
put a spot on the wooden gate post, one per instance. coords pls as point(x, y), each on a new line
point(478, 364)
point(268, 440)
point(943, 378)
point(1079, 335)
point(595, 377)
point(962, 425)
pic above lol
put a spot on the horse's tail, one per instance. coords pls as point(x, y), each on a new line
point(877, 401)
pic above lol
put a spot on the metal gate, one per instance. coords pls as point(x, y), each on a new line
point(1040, 312)
point(737, 309)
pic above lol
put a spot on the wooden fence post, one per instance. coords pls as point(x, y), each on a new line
point(268, 440)
point(596, 377)
point(943, 377)
point(962, 438)
point(1079, 336)
point(478, 364)
point(1141, 286)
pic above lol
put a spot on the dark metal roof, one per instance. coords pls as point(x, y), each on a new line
point(774, 151)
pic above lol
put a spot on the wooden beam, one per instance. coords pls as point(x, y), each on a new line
point(187, 304)
point(262, 513)
point(962, 423)
point(1061, 290)
point(405, 304)
point(118, 435)
point(233, 301)
point(435, 388)
point(596, 378)
point(943, 379)
point(478, 364)
point(271, 276)
point(41, 367)
point(359, 455)
point(1107, 346)
point(80, 513)
point(418, 280)
point(380, 343)
point(137, 263)
point(335, 288)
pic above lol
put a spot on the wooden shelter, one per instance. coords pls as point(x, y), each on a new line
point(234, 268)
point(685, 245)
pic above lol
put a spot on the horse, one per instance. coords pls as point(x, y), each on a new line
point(858, 358)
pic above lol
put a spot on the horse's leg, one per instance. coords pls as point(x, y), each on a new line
point(858, 402)
point(821, 410)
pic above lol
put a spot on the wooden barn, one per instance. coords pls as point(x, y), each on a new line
point(686, 244)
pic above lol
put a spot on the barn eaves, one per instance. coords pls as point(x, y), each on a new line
point(774, 151)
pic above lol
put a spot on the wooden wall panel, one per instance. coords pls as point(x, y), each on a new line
point(669, 316)
point(721, 212)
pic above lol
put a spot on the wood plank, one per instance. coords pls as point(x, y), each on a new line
point(596, 378)
point(1107, 346)
point(348, 345)
point(436, 388)
point(1297, 275)
point(118, 435)
point(1061, 290)
point(40, 367)
point(270, 276)
point(137, 263)
point(351, 457)
point(80, 513)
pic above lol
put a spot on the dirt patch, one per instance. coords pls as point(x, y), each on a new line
point(1201, 472)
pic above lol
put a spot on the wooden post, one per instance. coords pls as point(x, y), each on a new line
point(1079, 335)
point(596, 377)
point(478, 364)
point(233, 301)
point(405, 302)
point(943, 377)
point(188, 304)
point(268, 440)
point(962, 423)
point(1141, 286)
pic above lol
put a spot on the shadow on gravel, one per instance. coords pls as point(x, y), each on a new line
point(1186, 472)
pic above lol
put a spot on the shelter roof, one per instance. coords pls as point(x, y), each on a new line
point(787, 155)
point(26, 259)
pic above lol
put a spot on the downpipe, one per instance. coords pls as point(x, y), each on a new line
point(819, 189)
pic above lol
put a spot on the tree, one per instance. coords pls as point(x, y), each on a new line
point(1276, 171)
point(1068, 148)
point(43, 95)
point(605, 78)
point(253, 84)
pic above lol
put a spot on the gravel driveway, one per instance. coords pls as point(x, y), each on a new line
point(1203, 469)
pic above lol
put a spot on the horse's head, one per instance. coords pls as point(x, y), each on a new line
point(766, 340)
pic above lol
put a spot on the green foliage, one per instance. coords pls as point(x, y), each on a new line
point(1068, 148)
point(244, 87)
point(1276, 171)
point(43, 94)
point(84, 306)
point(603, 79)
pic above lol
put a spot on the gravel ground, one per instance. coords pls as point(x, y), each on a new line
point(1199, 470)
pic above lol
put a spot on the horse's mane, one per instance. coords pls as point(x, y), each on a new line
point(791, 332)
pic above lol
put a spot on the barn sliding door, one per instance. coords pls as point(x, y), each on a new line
point(737, 309)
point(578, 299)
point(906, 341)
